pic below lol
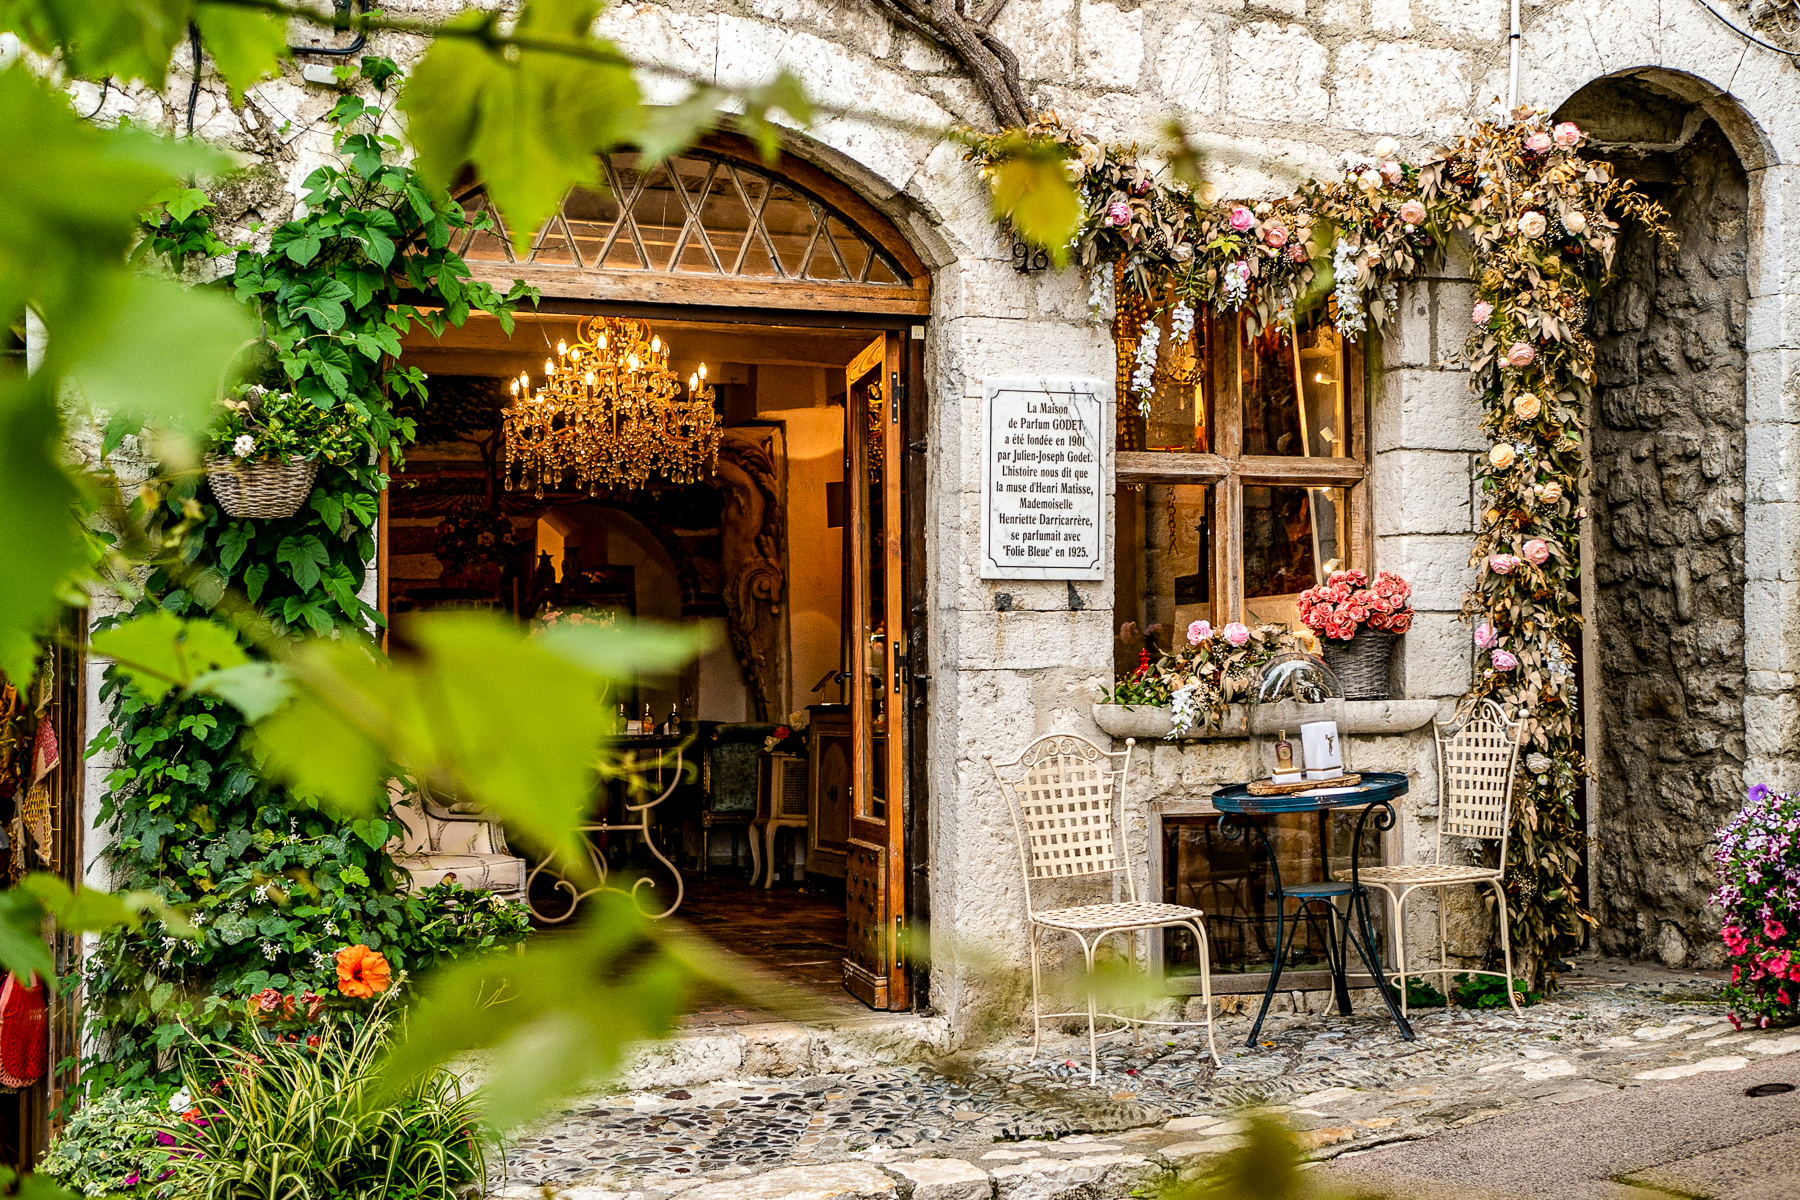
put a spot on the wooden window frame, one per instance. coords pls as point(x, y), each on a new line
point(1228, 469)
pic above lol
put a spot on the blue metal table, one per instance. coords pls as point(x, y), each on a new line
point(1373, 796)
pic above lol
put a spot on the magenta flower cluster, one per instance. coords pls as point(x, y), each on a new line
point(1758, 861)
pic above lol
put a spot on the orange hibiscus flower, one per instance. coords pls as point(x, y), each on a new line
point(362, 972)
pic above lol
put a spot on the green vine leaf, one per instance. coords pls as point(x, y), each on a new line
point(161, 651)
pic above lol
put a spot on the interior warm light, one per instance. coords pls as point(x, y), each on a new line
point(562, 347)
point(613, 420)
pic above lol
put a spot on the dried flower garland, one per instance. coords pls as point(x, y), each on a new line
point(1542, 225)
point(1198, 681)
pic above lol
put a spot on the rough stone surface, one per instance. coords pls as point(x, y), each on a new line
point(1668, 447)
point(1000, 1124)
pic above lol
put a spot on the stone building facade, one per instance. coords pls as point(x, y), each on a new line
point(1695, 587)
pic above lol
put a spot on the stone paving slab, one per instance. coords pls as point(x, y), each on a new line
point(994, 1124)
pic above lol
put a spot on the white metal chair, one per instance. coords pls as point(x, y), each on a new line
point(1475, 788)
point(1065, 794)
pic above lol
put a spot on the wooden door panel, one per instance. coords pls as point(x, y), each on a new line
point(874, 970)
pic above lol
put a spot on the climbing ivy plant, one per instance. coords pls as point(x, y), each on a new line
point(274, 884)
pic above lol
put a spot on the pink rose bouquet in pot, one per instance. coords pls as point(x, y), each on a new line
point(1347, 602)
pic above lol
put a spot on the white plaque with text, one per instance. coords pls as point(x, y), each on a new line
point(1042, 470)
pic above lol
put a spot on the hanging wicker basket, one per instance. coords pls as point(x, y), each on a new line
point(264, 489)
point(1361, 664)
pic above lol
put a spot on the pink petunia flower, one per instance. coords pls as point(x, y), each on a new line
point(1774, 930)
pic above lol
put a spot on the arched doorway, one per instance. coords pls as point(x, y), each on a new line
point(1664, 669)
point(806, 307)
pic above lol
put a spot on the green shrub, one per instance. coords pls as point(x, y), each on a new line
point(305, 1120)
point(1488, 991)
point(108, 1147)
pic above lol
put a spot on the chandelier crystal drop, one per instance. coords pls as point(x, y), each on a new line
point(609, 413)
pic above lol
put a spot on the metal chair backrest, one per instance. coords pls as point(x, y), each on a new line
point(1064, 793)
point(1475, 775)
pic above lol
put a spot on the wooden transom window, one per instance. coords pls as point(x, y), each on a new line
point(709, 227)
point(1244, 484)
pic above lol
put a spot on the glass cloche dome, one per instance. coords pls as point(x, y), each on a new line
point(1296, 715)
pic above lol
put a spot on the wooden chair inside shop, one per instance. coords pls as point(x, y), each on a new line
point(1066, 795)
point(1476, 761)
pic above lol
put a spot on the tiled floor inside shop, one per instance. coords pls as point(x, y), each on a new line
point(795, 933)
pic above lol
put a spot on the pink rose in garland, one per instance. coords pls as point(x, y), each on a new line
point(1297, 252)
point(1485, 637)
point(1538, 143)
point(1412, 212)
point(1275, 234)
point(1502, 564)
point(1520, 354)
point(1237, 633)
point(1346, 601)
point(1241, 218)
point(1566, 134)
point(1391, 172)
point(1118, 214)
point(1537, 550)
point(1481, 312)
point(1502, 660)
point(1199, 632)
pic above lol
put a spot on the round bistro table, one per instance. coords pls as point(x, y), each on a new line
point(1372, 797)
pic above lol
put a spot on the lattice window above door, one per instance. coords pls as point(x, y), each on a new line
point(697, 215)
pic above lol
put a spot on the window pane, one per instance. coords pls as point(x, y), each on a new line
point(1293, 538)
point(1278, 372)
point(1163, 566)
point(1230, 881)
point(1177, 418)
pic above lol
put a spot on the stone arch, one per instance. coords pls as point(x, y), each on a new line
point(1665, 664)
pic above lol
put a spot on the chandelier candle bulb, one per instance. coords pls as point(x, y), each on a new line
point(611, 416)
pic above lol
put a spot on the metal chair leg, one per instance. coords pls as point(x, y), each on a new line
point(1199, 928)
point(1093, 1041)
point(1443, 945)
point(1400, 948)
point(1036, 1024)
point(1506, 943)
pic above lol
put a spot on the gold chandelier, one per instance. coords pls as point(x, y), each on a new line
point(609, 414)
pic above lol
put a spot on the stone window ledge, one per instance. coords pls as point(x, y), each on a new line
point(1149, 724)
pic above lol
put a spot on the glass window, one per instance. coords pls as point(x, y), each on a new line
point(1291, 541)
point(1176, 420)
point(1164, 565)
point(1293, 391)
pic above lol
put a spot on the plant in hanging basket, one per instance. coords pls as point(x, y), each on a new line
point(266, 446)
point(1356, 623)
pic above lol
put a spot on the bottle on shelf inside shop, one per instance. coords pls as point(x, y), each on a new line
point(673, 726)
point(648, 725)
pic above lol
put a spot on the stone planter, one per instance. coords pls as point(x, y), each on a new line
point(1369, 717)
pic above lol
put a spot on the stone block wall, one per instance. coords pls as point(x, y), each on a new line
point(1276, 89)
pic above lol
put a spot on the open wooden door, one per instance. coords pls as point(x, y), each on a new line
point(874, 547)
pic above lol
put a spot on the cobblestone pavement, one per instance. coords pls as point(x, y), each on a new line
point(994, 1123)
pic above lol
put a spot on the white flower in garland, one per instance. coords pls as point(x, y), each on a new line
point(1100, 295)
point(1351, 318)
point(1234, 286)
point(1143, 375)
point(244, 446)
point(1184, 710)
point(1181, 324)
